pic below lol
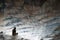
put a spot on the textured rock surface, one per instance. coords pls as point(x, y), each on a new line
point(32, 21)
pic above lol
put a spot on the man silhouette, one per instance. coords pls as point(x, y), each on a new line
point(14, 32)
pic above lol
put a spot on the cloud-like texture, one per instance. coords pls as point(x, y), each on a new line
point(31, 21)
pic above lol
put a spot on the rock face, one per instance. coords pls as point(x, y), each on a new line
point(32, 18)
point(32, 3)
point(35, 2)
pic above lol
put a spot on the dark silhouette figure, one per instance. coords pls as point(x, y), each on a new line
point(14, 32)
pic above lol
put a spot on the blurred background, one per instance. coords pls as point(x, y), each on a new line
point(33, 19)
